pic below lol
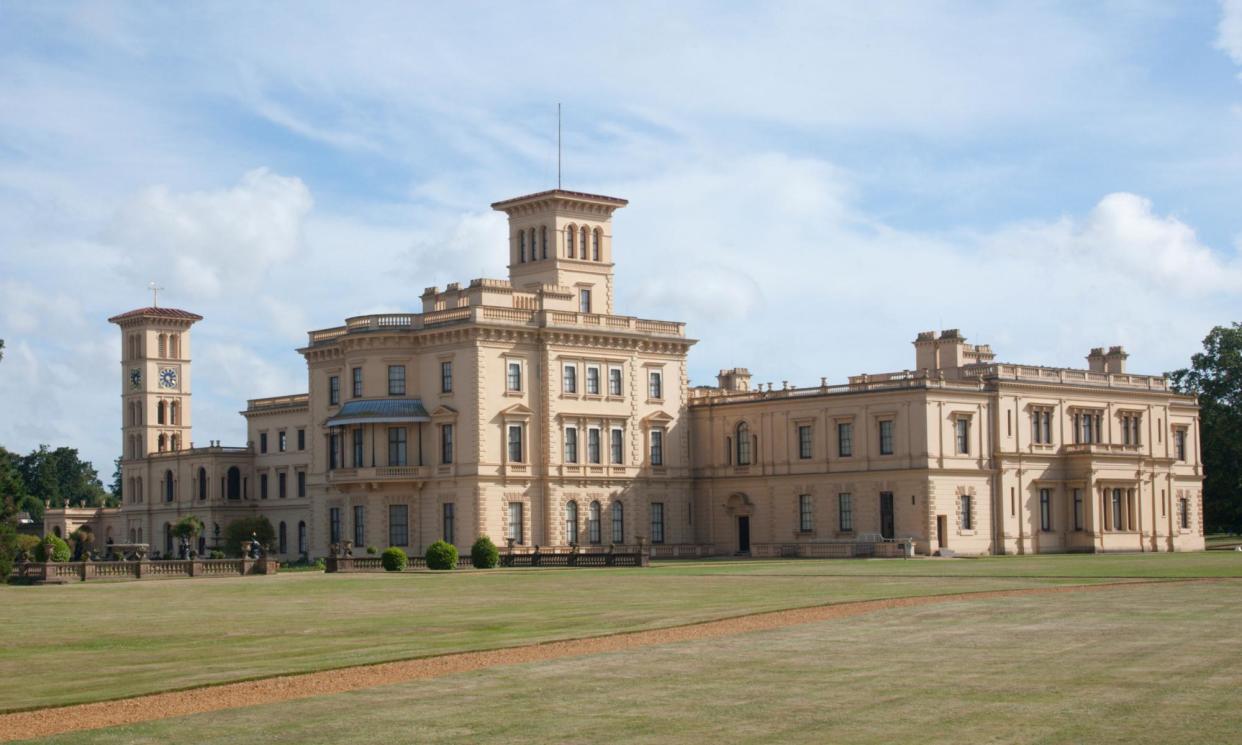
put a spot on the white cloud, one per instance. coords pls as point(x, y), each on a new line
point(212, 243)
point(1229, 32)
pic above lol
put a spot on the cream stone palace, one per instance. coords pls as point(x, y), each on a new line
point(527, 409)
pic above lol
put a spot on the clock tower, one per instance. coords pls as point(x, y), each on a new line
point(155, 380)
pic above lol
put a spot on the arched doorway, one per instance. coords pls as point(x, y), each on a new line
point(740, 508)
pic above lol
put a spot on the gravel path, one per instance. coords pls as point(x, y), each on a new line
point(53, 721)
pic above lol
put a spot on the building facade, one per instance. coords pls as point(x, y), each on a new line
point(526, 409)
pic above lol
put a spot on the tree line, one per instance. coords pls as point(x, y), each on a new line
point(46, 478)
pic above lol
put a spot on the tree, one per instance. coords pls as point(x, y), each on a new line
point(60, 478)
point(114, 489)
point(1215, 377)
point(189, 528)
point(239, 531)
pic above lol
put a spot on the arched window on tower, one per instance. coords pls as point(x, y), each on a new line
point(174, 346)
point(743, 444)
point(202, 484)
point(533, 255)
point(176, 442)
point(168, 486)
point(571, 234)
point(595, 245)
point(521, 246)
point(543, 241)
point(163, 443)
point(163, 345)
point(159, 413)
point(173, 413)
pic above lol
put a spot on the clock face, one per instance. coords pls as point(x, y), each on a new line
point(135, 378)
point(168, 378)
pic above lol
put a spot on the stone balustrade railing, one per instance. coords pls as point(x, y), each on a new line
point(61, 572)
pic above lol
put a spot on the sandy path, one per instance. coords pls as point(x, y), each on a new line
point(58, 720)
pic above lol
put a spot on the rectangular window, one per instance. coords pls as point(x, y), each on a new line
point(396, 380)
point(1117, 524)
point(1078, 509)
point(886, 437)
point(514, 379)
point(593, 526)
point(262, 442)
point(360, 526)
point(334, 447)
point(301, 483)
point(657, 522)
point(514, 529)
point(806, 521)
point(1045, 509)
point(569, 380)
point(804, 441)
point(1179, 443)
point(962, 426)
point(334, 390)
point(1183, 513)
point(845, 510)
point(584, 301)
point(263, 486)
point(968, 518)
point(334, 524)
point(282, 488)
point(357, 391)
point(655, 385)
point(571, 444)
point(446, 377)
point(618, 523)
point(301, 439)
point(358, 447)
point(1041, 426)
point(845, 439)
point(282, 441)
point(397, 446)
point(593, 445)
point(449, 534)
point(614, 381)
point(592, 381)
point(515, 443)
point(616, 446)
point(398, 525)
point(657, 447)
point(446, 443)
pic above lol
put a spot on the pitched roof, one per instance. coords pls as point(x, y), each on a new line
point(153, 312)
point(560, 193)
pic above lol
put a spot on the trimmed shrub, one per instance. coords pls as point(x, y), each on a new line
point(52, 548)
point(441, 555)
point(483, 554)
point(371, 551)
point(215, 553)
point(393, 559)
point(26, 542)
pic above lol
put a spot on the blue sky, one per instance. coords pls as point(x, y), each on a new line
point(811, 183)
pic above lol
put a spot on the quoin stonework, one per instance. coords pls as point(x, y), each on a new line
point(529, 410)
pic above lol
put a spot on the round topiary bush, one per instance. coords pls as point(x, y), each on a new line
point(483, 553)
point(52, 548)
point(393, 559)
point(441, 555)
point(372, 550)
point(215, 553)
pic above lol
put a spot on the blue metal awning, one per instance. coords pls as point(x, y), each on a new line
point(378, 411)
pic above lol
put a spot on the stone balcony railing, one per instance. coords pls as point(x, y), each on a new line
point(497, 315)
point(378, 473)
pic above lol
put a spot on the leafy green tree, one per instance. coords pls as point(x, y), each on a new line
point(60, 477)
point(114, 489)
point(239, 531)
point(189, 528)
point(1215, 376)
point(52, 548)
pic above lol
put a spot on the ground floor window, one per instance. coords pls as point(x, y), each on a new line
point(845, 508)
point(968, 519)
point(302, 537)
point(657, 522)
point(1117, 524)
point(593, 528)
point(398, 525)
point(1183, 510)
point(1045, 509)
point(571, 522)
point(806, 521)
point(514, 532)
point(334, 524)
point(360, 525)
point(1078, 509)
point(282, 538)
point(449, 533)
point(618, 523)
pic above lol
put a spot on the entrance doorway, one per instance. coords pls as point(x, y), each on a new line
point(886, 515)
point(743, 534)
point(942, 530)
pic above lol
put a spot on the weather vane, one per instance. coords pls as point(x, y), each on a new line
point(155, 294)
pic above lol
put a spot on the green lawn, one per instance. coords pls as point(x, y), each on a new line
point(109, 640)
point(1120, 665)
point(1223, 540)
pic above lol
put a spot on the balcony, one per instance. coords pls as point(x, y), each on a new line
point(1101, 448)
point(378, 474)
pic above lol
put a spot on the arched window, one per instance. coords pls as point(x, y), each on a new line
point(282, 538)
point(133, 536)
point(159, 413)
point(543, 241)
point(595, 245)
point(571, 522)
point(141, 494)
point(743, 444)
point(174, 345)
point(570, 235)
point(176, 442)
point(174, 413)
point(583, 243)
point(163, 345)
point(168, 486)
point(618, 523)
point(234, 483)
point(301, 536)
point(202, 483)
point(593, 529)
point(533, 255)
point(522, 246)
point(163, 443)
